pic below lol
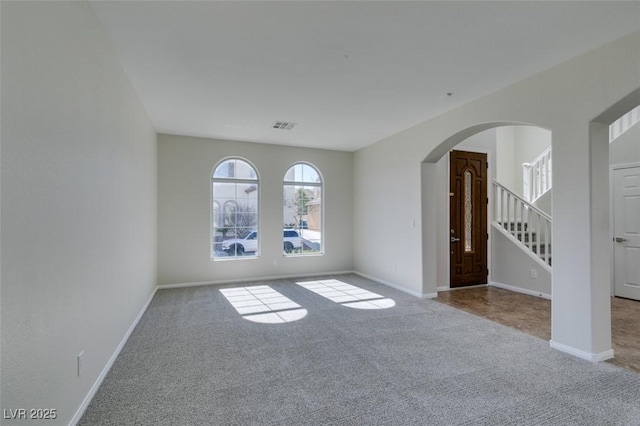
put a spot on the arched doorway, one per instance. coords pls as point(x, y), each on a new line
point(601, 227)
point(436, 259)
point(581, 310)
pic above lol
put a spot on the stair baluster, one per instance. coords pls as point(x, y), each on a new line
point(524, 223)
point(536, 176)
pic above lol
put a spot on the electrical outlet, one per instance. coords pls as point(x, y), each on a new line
point(80, 363)
point(534, 273)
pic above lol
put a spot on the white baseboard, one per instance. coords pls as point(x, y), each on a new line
point(252, 279)
point(602, 356)
point(397, 287)
point(520, 290)
point(443, 288)
point(83, 407)
point(294, 276)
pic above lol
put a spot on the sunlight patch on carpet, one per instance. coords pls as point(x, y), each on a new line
point(348, 295)
point(263, 304)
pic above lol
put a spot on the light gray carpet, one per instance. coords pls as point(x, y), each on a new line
point(193, 360)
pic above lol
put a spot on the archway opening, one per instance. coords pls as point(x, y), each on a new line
point(498, 140)
point(610, 163)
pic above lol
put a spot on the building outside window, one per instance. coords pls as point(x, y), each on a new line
point(234, 210)
point(302, 209)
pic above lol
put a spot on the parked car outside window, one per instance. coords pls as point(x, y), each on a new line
point(249, 244)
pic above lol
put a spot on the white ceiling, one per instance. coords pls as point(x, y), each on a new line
point(348, 73)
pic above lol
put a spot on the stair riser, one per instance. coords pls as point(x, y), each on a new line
point(542, 249)
point(519, 236)
point(517, 226)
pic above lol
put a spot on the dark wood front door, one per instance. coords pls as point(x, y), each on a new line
point(468, 218)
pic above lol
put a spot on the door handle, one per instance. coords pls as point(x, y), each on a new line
point(619, 239)
point(454, 239)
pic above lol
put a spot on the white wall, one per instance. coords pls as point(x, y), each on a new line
point(512, 267)
point(506, 158)
point(185, 165)
point(626, 148)
point(544, 202)
point(517, 145)
point(563, 99)
point(78, 205)
point(530, 142)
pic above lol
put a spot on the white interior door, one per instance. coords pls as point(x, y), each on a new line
point(626, 226)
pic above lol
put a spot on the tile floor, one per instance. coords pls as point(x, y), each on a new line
point(532, 315)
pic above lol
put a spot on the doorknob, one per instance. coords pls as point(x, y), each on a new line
point(619, 239)
point(454, 239)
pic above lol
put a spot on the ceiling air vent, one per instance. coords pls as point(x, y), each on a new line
point(283, 125)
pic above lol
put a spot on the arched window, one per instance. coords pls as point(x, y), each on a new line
point(303, 209)
point(234, 220)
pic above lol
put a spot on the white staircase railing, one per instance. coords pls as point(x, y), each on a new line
point(526, 225)
point(624, 123)
point(536, 176)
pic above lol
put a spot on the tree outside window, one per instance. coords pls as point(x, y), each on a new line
point(235, 188)
point(302, 207)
